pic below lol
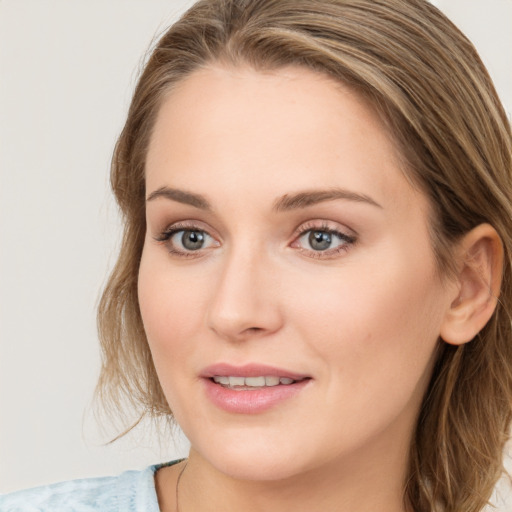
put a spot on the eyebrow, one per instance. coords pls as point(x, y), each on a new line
point(181, 196)
point(285, 203)
point(311, 197)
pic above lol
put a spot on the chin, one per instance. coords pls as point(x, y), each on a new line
point(254, 457)
point(264, 467)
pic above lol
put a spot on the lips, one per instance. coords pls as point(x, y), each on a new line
point(252, 388)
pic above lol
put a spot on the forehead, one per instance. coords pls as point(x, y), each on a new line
point(277, 131)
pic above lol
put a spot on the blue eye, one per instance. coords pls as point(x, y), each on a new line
point(190, 240)
point(184, 241)
point(319, 242)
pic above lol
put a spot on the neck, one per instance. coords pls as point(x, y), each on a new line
point(339, 486)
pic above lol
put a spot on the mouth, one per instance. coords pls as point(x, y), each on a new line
point(240, 383)
point(252, 388)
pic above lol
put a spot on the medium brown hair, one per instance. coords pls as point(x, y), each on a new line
point(427, 82)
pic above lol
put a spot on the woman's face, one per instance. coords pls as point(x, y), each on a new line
point(284, 244)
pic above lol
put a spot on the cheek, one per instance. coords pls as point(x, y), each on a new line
point(375, 305)
point(375, 324)
point(171, 308)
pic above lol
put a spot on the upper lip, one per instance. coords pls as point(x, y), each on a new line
point(249, 370)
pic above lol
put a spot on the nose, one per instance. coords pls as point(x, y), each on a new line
point(245, 303)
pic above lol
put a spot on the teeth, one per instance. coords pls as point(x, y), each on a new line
point(236, 381)
point(254, 382)
point(271, 381)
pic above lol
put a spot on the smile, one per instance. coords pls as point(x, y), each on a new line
point(244, 383)
point(252, 388)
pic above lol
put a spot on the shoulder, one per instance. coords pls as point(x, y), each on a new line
point(132, 491)
point(76, 495)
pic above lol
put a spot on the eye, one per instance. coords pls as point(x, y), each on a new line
point(322, 241)
point(184, 241)
point(319, 240)
point(189, 240)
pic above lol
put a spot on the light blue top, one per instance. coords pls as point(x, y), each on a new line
point(132, 491)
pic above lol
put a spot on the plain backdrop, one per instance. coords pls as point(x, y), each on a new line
point(67, 70)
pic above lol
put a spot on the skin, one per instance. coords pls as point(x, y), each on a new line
point(362, 322)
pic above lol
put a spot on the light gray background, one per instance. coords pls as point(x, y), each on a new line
point(67, 69)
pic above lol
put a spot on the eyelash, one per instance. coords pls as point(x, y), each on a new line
point(165, 238)
point(346, 241)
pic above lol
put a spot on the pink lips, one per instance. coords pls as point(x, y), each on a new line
point(251, 401)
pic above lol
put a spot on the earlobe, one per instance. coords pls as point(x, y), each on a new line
point(478, 285)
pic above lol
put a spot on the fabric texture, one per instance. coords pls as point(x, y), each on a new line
point(132, 491)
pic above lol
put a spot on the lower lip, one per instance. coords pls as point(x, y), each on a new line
point(251, 401)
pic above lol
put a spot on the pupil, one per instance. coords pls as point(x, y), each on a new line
point(192, 240)
point(320, 240)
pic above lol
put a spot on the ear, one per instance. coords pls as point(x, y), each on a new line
point(480, 255)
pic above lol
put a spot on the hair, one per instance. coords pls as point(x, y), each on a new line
point(427, 82)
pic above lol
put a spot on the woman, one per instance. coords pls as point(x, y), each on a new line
point(315, 275)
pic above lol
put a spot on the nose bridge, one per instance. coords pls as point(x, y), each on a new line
point(244, 302)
